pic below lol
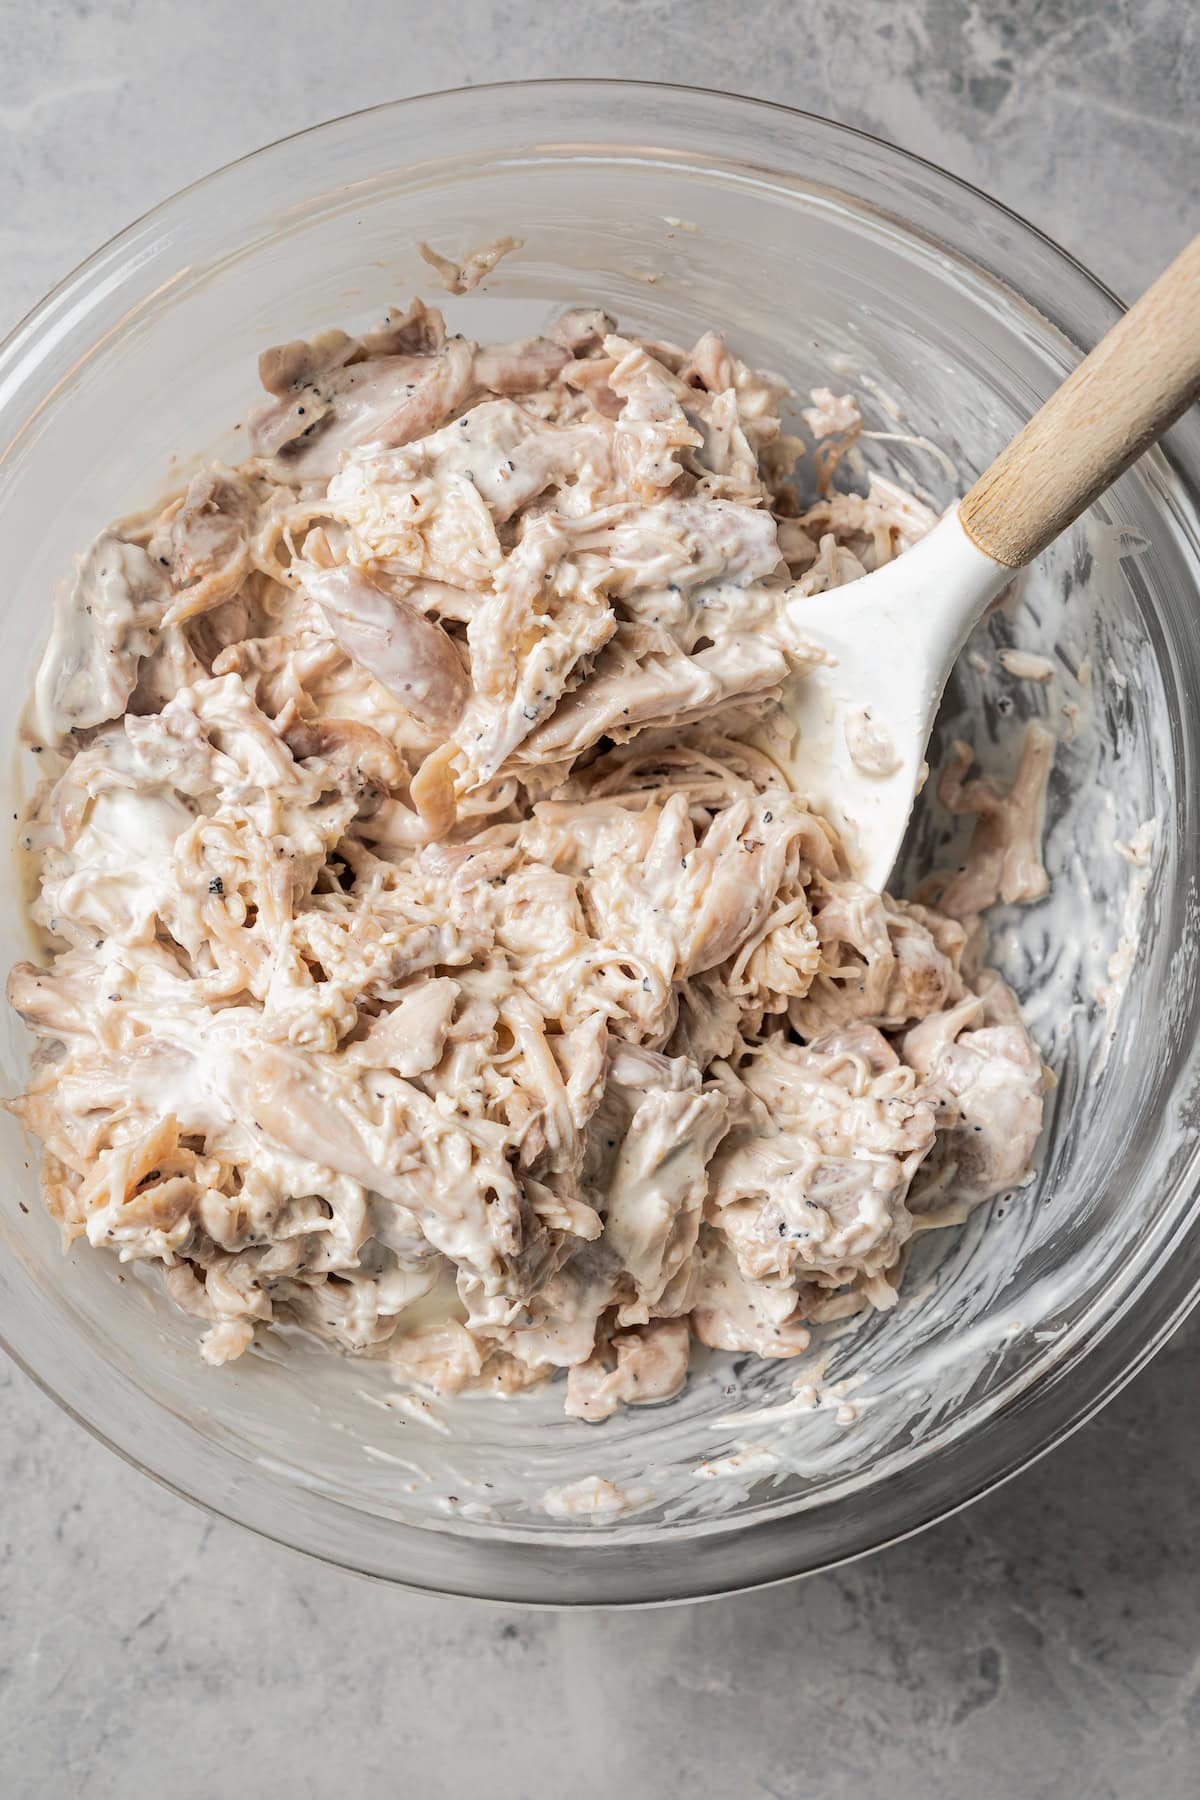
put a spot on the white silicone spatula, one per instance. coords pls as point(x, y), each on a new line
point(891, 638)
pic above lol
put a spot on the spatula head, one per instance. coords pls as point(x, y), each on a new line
point(883, 647)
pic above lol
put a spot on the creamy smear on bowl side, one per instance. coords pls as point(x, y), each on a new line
point(437, 956)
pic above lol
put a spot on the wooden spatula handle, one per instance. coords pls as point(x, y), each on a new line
point(1135, 383)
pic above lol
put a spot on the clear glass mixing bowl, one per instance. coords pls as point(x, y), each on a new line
point(826, 256)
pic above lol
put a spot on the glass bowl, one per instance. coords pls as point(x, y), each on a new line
point(829, 258)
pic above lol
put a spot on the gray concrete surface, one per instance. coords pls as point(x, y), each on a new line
point(1045, 1643)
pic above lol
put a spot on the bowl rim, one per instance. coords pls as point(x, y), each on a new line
point(22, 339)
point(544, 83)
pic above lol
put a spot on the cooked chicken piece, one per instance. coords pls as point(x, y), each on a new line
point(688, 542)
point(642, 679)
point(417, 507)
point(884, 962)
point(649, 1363)
point(419, 330)
point(730, 411)
point(411, 655)
point(462, 278)
point(1004, 861)
point(525, 367)
point(409, 1038)
point(685, 901)
point(583, 329)
point(385, 400)
point(103, 623)
point(657, 1179)
point(989, 1082)
point(731, 1312)
point(652, 428)
point(814, 1183)
point(443, 1357)
point(210, 542)
point(846, 535)
point(832, 415)
point(286, 367)
point(359, 754)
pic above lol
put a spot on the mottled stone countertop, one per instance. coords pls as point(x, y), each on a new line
point(1043, 1643)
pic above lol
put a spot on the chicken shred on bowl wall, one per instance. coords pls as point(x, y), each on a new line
point(438, 958)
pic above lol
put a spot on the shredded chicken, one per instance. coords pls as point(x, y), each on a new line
point(434, 962)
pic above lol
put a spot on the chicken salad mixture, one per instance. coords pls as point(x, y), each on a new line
point(437, 958)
